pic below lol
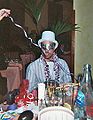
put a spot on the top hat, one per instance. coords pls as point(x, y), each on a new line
point(48, 36)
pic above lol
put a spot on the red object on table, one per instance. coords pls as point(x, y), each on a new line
point(24, 96)
point(89, 110)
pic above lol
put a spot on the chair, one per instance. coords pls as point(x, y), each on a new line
point(56, 113)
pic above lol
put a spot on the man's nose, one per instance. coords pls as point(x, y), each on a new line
point(46, 50)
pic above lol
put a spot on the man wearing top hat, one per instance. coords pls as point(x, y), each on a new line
point(48, 66)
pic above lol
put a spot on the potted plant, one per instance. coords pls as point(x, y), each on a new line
point(34, 10)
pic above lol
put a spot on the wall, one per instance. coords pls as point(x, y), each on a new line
point(83, 39)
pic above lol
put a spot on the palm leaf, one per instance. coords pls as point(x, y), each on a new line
point(61, 27)
point(35, 9)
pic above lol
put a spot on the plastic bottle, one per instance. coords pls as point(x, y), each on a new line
point(83, 109)
point(88, 91)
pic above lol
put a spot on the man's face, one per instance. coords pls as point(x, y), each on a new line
point(48, 49)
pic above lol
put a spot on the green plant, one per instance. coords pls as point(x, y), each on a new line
point(60, 27)
point(34, 9)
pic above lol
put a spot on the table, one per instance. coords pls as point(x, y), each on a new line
point(13, 73)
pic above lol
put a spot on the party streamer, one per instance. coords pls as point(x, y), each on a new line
point(19, 26)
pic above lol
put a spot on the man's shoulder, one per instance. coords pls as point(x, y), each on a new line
point(62, 60)
point(35, 62)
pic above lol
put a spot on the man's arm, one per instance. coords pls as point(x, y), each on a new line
point(66, 72)
point(30, 75)
point(4, 13)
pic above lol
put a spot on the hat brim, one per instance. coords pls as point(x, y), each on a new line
point(42, 40)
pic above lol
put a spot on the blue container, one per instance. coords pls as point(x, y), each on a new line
point(12, 107)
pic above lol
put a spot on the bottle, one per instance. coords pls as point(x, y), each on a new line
point(79, 108)
point(83, 109)
point(41, 96)
point(89, 91)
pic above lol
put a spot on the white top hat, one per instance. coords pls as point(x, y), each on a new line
point(48, 36)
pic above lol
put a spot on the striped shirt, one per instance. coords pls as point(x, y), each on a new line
point(35, 73)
